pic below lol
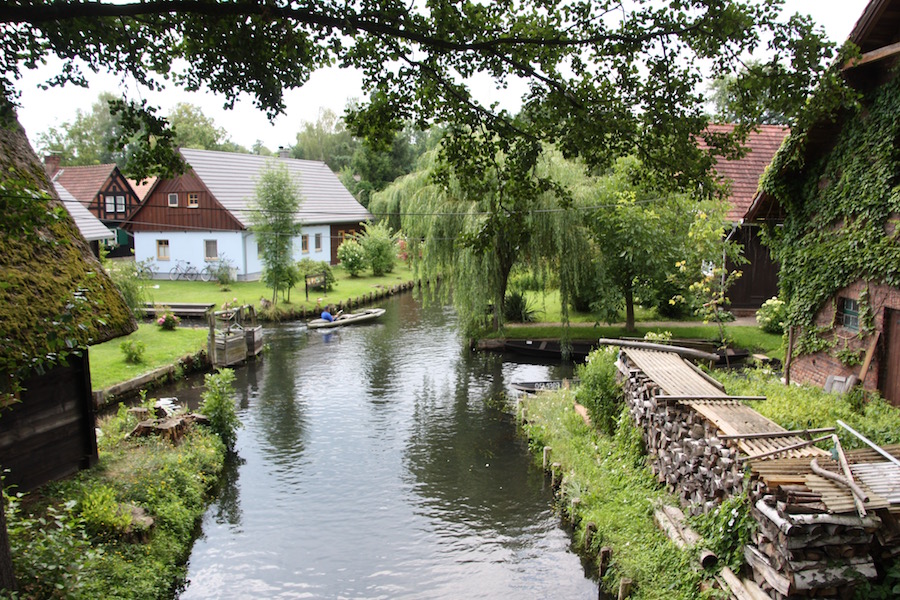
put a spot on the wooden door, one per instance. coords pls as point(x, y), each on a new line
point(890, 382)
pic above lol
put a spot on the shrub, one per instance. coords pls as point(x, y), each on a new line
point(379, 245)
point(352, 257)
point(772, 316)
point(133, 351)
point(125, 275)
point(599, 391)
point(168, 321)
point(516, 308)
point(103, 516)
point(218, 406)
point(49, 552)
point(308, 266)
point(223, 272)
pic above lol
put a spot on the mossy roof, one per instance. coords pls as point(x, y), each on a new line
point(54, 295)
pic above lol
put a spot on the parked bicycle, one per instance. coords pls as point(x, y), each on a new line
point(144, 269)
point(183, 270)
point(207, 273)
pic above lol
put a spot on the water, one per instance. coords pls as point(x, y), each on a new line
point(377, 462)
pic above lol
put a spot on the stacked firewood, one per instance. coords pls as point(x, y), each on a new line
point(798, 555)
point(802, 547)
point(685, 452)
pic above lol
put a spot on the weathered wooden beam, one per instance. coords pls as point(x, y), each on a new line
point(776, 434)
point(872, 56)
point(686, 352)
point(702, 397)
point(796, 446)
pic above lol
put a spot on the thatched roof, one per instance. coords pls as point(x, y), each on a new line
point(54, 295)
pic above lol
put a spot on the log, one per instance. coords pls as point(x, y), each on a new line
point(605, 557)
point(858, 493)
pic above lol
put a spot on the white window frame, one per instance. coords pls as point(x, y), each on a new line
point(318, 242)
point(120, 204)
point(160, 244)
point(173, 196)
point(206, 254)
point(110, 201)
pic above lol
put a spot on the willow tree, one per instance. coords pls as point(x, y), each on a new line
point(473, 226)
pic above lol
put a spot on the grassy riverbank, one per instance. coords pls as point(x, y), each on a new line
point(250, 292)
point(161, 348)
point(79, 539)
point(604, 467)
point(741, 336)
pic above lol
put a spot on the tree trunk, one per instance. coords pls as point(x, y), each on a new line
point(629, 309)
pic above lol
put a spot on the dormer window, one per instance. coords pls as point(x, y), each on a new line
point(193, 200)
point(173, 200)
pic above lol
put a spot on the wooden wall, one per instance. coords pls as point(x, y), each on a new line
point(157, 215)
point(338, 233)
point(759, 279)
point(116, 185)
point(50, 433)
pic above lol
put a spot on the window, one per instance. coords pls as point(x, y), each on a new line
point(848, 313)
point(193, 200)
point(210, 250)
point(120, 204)
point(318, 242)
point(162, 249)
point(304, 243)
point(173, 199)
point(110, 204)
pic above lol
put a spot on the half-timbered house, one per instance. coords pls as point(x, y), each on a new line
point(104, 191)
point(204, 215)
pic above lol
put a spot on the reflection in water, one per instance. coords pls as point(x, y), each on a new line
point(378, 463)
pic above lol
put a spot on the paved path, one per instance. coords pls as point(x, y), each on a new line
point(743, 321)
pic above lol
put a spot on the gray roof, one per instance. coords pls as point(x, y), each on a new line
point(232, 178)
point(89, 225)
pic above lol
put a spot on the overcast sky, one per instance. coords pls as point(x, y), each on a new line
point(329, 88)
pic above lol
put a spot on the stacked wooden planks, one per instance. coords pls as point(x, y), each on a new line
point(814, 539)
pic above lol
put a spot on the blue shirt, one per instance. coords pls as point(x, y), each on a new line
point(326, 316)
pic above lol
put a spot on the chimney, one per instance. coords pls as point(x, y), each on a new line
point(283, 153)
point(51, 164)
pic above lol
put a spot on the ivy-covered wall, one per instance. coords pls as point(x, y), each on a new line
point(841, 198)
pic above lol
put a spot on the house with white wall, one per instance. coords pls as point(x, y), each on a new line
point(204, 215)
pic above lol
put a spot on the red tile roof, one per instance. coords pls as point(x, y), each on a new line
point(84, 183)
point(744, 173)
point(142, 189)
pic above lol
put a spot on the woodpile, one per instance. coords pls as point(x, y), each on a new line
point(824, 524)
point(685, 452)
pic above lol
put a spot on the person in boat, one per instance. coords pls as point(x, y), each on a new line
point(327, 316)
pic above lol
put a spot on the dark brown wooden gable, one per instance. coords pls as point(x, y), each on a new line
point(116, 185)
point(156, 214)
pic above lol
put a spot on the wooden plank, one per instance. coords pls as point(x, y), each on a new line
point(870, 353)
point(872, 56)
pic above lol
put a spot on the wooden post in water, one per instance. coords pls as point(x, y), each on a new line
point(546, 457)
point(624, 588)
point(590, 529)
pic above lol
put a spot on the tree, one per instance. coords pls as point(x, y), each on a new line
point(274, 222)
point(193, 129)
point(379, 245)
point(327, 140)
point(643, 237)
point(605, 80)
point(89, 139)
point(731, 103)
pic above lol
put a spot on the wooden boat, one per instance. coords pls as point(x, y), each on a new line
point(363, 316)
point(532, 387)
point(551, 349)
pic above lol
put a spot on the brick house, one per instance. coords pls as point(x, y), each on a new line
point(832, 190)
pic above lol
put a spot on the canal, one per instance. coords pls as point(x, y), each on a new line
point(380, 461)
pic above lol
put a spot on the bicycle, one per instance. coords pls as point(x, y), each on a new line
point(180, 271)
point(207, 273)
point(144, 270)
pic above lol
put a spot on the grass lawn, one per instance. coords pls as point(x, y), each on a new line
point(161, 348)
point(249, 292)
point(742, 336)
